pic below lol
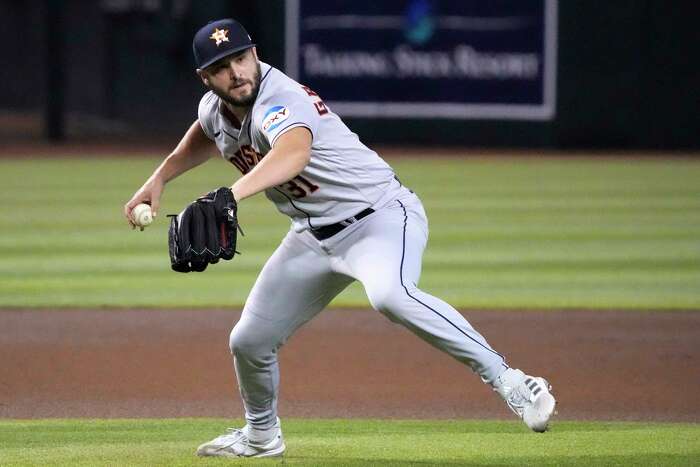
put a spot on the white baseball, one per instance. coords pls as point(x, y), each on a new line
point(142, 214)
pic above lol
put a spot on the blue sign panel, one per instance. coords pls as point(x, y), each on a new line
point(426, 58)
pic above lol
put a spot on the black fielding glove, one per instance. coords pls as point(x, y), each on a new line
point(204, 232)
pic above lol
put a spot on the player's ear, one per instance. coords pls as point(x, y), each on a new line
point(203, 76)
point(255, 53)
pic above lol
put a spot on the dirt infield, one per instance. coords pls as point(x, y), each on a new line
point(148, 363)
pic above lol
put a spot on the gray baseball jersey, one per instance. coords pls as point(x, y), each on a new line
point(343, 176)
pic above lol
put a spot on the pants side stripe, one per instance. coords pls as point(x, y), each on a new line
point(403, 253)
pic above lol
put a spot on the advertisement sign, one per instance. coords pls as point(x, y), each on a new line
point(426, 58)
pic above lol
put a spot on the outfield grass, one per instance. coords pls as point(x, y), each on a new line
point(353, 442)
point(504, 233)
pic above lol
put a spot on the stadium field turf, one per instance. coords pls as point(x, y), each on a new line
point(504, 233)
point(355, 442)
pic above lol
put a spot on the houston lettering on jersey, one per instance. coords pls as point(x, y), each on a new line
point(247, 157)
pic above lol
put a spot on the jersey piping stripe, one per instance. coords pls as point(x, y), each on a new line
point(228, 134)
point(265, 75)
point(250, 135)
point(291, 126)
point(403, 253)
point(308, 217)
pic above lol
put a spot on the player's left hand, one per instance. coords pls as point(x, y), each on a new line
point(204, 232)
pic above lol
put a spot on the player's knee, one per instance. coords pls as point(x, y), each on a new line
point(252, 344)
point(242, 342)
point(233, 339)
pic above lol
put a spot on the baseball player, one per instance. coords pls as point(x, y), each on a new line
point(352, 220)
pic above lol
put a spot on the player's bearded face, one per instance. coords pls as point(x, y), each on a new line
point(239, 88)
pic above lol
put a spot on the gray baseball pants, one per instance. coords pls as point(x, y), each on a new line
point(384, 252)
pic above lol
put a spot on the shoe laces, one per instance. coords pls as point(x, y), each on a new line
point(232, 435)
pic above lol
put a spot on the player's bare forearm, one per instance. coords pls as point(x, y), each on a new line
point(286, 160)
point(194, 149)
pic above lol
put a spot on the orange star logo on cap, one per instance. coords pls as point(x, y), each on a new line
point(219, 35)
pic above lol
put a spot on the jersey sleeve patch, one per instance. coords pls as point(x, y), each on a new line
point(274, 117)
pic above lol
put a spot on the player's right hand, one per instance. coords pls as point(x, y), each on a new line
point(149, 193)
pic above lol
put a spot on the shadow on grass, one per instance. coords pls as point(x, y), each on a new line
point(632, 459)
point(323, 428)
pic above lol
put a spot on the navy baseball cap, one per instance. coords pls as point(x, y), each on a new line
point(218, 39)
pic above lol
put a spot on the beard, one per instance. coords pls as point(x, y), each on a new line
point(244, 101)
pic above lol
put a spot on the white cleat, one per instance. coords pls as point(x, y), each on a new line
point(528, 397)
point(237, 443)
